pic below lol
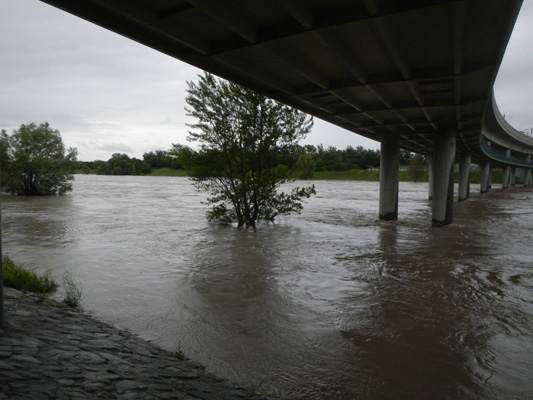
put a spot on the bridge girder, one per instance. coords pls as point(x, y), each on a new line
point(414, 69)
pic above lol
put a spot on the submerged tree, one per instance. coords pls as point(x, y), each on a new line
point(240, 133)
point(37, 162)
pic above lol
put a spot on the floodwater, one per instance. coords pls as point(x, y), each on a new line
point(329, 304)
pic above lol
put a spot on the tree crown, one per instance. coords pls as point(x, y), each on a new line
point(240, 134)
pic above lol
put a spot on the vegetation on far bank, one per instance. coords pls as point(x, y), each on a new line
point(302, 162)
point(168, 172)
point(297, 158)
point(351, 175)
point(405, 176)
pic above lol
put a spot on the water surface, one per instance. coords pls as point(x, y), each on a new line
point(329, 304)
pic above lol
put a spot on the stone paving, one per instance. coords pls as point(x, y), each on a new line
point(48, 351)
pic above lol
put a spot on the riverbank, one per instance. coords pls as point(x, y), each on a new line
point(367, 175)
point(48, 351)
point(350, 175)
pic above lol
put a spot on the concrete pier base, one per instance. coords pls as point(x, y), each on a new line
point(444, 156)
point(389, 177)
point(506, 173)
point(512, 177)
point(464, 176)
point(485, 175)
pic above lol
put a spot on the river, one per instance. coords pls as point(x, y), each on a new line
point(329, 304)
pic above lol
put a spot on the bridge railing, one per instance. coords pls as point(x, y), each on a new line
point(501, 156)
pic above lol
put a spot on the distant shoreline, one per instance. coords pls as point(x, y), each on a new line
point(350, 175)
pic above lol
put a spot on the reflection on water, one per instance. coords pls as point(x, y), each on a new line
point(330, 304)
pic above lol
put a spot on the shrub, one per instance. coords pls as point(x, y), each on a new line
point(73, 291)
point(20, 278)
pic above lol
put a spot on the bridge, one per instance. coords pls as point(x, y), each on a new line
point(411, 74)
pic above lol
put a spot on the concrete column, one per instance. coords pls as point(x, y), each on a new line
point(505, 176)
point(512, 177)
point(389, 177)
point(490, 178)
point(464, 176)
point(528, 176)
point(444, 157)
point(485, 174)
point(431, 164)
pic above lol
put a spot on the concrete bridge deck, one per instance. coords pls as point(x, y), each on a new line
point(415, 74)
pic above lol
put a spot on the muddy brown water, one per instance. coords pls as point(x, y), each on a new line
point(329, 304)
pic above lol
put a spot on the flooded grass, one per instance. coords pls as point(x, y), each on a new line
point(18, 277)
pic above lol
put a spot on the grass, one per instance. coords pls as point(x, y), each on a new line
point(25, 280)
point(73, 291)
point(350, 175)
point(373, 175)
point(168, 172)
point(360, 175)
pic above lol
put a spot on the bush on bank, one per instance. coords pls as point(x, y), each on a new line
point(22, 279)
point(25, 280)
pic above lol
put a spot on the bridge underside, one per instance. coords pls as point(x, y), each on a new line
point(411, 68)
point(416, 74)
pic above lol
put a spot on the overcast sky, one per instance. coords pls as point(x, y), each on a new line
point(107, 94)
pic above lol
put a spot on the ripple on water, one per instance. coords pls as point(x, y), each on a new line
point(329, 304)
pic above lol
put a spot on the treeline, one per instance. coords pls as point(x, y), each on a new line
point(303, 160)
point(122, 164)
point(307, 157)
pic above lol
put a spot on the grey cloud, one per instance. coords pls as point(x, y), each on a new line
point(95, 86)
point(116, 148)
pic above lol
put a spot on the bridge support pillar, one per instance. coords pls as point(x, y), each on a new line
point(444, 157)
point(485, 176)
point(528, 175)
point(430, 173)
point(389, 177)
point(512, 177)
point(464, 176)
point(506, 174)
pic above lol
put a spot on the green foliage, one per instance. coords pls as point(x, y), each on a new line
point(118, 164)
point(162, 159)
point(73, 291)
point(406, 157)
point(168, 172)
point(417, 167)
point(4, 158)
point(305, 166)
point(359, 175)
point(350, 175)
point(23, 279)
point(179, 353)
point(35, 161)
point(241, 134)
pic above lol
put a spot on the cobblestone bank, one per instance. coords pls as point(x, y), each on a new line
point(51, 352)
